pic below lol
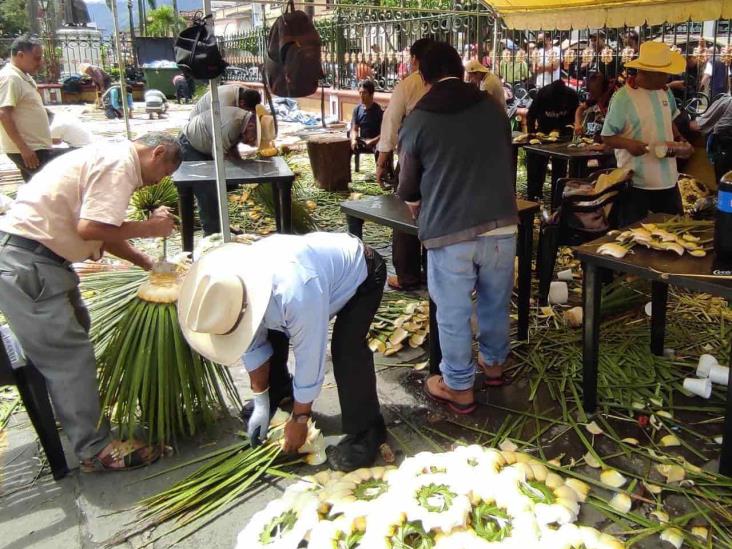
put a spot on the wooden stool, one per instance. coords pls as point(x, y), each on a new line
point(330, 159)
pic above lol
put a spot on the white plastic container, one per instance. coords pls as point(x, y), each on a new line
point(565, 276)
point(719, 375)
point(558, 293)
point(699, 386)
point(706, 363)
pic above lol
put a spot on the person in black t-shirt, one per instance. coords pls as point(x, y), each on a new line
point(366, 121)
point(552, 110)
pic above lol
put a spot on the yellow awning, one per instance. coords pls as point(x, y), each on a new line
point(581, 14)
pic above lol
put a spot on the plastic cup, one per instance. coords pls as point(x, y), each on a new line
point(719, 375)
point(706, 363)
point(566, 275)
point(698, 387)
point(558, 293)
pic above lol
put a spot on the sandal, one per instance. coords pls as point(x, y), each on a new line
point(123, 455)
point(493, 380)
point(457, 407)
point(393, 282)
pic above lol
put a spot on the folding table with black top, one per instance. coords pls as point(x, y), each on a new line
point(661, 268)
point(391, 211)
point(273, 171)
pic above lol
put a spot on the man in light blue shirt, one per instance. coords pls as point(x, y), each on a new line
point(312, 278)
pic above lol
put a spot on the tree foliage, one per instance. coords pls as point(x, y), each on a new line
point(13, 17)
point(164, 21)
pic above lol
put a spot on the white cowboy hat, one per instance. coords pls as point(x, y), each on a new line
point(475, 66)
point(222, 301)
point(658, 57)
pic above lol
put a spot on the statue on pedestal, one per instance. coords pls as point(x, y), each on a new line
point(75, 13)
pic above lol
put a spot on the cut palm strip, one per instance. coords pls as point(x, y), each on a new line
point(149, 377)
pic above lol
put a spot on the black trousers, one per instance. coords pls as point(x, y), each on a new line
point(536, 174)
point(44, 157)
point(638, 203)
point(721, 156)
point(353, 361)
point(206, 196)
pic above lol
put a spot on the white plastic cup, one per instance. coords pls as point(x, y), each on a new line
point(706, 363)
point(558, 293)
point(698, 387)
point(719, 375)
point(566, 275)
point(648, 309)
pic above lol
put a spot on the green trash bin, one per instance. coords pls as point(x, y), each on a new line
point(161, 79)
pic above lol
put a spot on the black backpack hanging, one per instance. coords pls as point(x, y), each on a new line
point(196, 51)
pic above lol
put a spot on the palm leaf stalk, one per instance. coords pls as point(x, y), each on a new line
point(148, 375)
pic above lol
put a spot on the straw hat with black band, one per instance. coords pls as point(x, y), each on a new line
point(222, 301)
point(658, 57)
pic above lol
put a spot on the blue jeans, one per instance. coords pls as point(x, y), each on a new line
point(486, 265)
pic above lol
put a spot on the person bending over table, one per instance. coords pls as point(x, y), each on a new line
point(467, 221)
point(250, 302)
point(639, 126)
point(366, 121)
point(196, 139)
point(230, 95)
point(553, 110)
point(74, 209)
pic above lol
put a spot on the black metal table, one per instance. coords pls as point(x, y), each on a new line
point(577, 159)
point(661, 269)
point(390, 211)
point(238, 172)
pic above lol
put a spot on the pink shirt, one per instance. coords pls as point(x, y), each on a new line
point(93, 183)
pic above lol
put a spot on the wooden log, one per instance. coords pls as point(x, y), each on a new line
point(330, 159)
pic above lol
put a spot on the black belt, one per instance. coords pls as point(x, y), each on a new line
point(29, 244)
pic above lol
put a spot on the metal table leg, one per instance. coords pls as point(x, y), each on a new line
point(659, 298)
point(591, 287)
point(515, 165)
point(185, 207)
point(725, 456)
point(284, 191)
point(524, 249)
point(435, 350)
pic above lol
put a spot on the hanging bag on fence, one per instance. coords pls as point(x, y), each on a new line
point(196, 50)
point(293, 62)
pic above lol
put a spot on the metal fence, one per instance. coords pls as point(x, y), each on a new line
point(365, 43)
point(65, 50)
point(359, 43)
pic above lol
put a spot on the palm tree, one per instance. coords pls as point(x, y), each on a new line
point(164, 21)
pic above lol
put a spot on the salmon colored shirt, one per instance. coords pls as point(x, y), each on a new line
point(93, 183)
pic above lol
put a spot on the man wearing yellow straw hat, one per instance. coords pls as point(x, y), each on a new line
point(250, 302)
point(640, 127)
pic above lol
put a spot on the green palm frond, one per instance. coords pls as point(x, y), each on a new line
point(146, 199)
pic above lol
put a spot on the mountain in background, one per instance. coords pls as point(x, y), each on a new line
point(100, 14)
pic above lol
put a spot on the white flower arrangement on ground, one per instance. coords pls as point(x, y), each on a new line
point(469, 498)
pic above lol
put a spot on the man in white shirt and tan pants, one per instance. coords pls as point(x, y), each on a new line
point(73, 210)
point(25, 135)
point(406, 248)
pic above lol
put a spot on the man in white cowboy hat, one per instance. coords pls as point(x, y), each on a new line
point(485, 80)
point(250, 302)
point(640, 127)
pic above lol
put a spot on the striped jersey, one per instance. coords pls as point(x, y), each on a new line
point(647, 116)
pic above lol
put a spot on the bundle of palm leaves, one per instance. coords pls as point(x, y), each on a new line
point(148, 375)
point(147, 199)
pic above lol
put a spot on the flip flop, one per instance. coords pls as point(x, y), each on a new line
point(498, 381)
point(456, 407)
